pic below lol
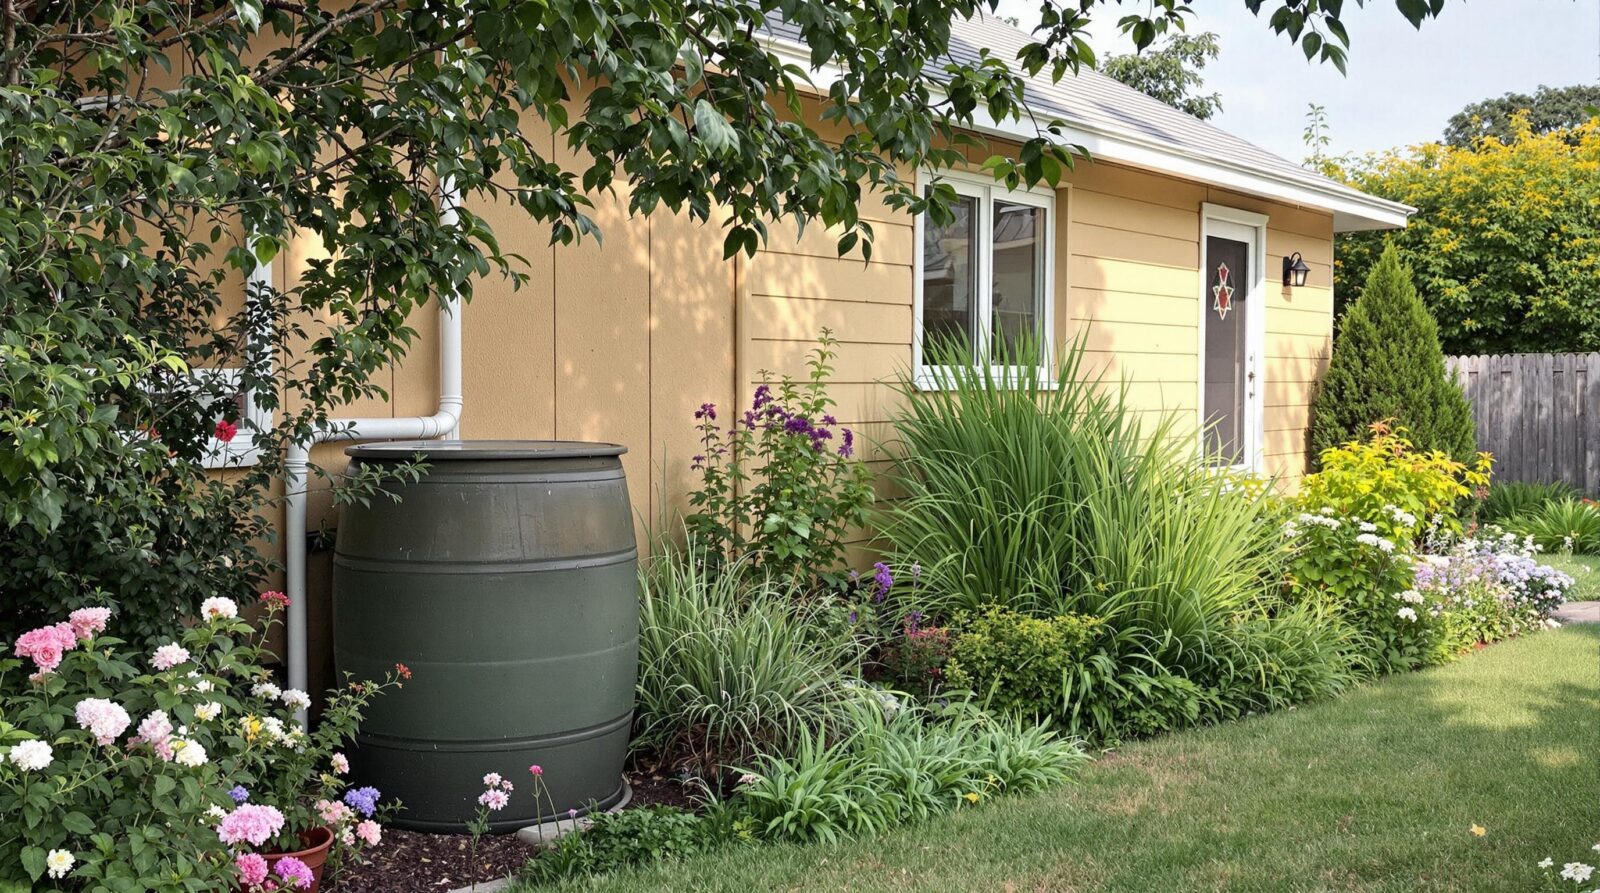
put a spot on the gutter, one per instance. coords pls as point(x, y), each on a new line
point(442, 423)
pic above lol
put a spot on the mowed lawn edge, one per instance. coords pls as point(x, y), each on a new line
point(1373, 791)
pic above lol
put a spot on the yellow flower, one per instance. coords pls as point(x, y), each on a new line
point(1479, 830)
point(972, 796)
point(252, 728)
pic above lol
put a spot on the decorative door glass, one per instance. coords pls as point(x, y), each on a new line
point(1225, 361)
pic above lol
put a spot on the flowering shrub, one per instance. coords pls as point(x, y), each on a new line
point(1572, 875)
point(916, 659)
point(780, 484)
point(163, 771)
point(1384, 480)
point(1354, 566)
point(1493, 585)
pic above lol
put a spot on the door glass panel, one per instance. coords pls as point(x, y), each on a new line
point(1018, 275)
point(1227, 278)
point(950, 278)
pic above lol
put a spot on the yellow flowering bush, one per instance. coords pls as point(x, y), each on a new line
point(1505, 244)
point(1386, 480)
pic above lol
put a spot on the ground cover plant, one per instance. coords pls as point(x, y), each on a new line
point(1507, 499)
point(1560, 525)
point(1376, 791)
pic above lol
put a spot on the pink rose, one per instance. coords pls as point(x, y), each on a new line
point(369, 832)
point(47, 644)
point(87, 622)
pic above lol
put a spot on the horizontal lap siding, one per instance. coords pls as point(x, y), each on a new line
point(794, 289)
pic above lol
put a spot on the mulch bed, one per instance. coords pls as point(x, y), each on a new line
point(411, 862)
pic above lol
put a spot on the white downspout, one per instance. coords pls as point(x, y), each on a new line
point(443, 423)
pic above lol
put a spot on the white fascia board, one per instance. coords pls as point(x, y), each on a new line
point(1352, 210)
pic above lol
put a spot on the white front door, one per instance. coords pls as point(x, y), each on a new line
point(1231, 332)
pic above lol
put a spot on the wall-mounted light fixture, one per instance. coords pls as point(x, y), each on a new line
point(1294, 270)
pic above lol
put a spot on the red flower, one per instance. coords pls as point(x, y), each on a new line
point(225, 430)
point(403, 671)
point(275, 599)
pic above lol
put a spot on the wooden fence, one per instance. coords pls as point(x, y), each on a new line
point(1538, 413)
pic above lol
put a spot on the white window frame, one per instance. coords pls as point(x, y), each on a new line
point(987, 190)
point(1251, 227)
point(243, 450)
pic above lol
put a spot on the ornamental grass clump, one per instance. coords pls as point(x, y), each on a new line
point(1054, 496)
point(731, 660)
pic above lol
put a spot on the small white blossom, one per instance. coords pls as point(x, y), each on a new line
point(1577, 872)
point(188, 753)
point(297, 699)
point(1546, 862)
point(59, 862)
point(266, 690)
point(216, 812)
point(218, 607)
point(31, 756)
point(1368, 527)
point(208, 711)
point(1406, 613)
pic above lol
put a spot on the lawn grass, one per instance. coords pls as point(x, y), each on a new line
point(1374, 791)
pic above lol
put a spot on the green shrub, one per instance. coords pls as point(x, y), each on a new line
point(1562, 525)
point(893, 767)
point(1387, 364)
point(780, 487)
point(1020, 664)
point(1506, 501)
point(1384, 479)
point(730, 661)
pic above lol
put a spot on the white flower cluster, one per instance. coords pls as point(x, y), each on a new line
point(1400, 516)
point(1375, 541)
point(1407, 613)
point(31, 756)
point(1410, 596)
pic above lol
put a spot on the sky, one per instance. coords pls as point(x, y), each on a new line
point(1403, 84)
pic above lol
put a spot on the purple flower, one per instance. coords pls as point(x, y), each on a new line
point(882, 577)
point(295, 872)
point(852, 617)
point(239, 793)
point(798, 424)
point(706, 411)
point(829, 420)
point(750, 419)
point(848, 447)
point(698, 461)
point(913, 621)
point(763, 397)
point(362, 800)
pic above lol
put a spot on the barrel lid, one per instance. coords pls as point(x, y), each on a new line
point(473, 450)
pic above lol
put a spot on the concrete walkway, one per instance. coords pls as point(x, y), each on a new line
point(1578, 612)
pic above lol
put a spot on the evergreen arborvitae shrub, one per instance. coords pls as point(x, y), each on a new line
point(1387, 364)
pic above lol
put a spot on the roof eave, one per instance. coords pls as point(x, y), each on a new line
point(1353, 210)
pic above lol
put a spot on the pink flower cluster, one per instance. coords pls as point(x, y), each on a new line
point(47, 644)
point(252, 869)
point(104, 719)
point(169, 656)
point(156, 731)
point(333, 812)
point(295, 872)
point(369, 832)
point(497, 792)
point(251, 824)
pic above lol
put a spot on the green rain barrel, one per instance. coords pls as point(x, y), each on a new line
point(504, 579)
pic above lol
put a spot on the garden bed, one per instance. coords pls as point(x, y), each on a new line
point(412, 862)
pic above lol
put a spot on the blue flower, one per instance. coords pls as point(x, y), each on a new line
point(239, 793)
point(362, 800)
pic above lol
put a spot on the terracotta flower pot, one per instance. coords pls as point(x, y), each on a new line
point(314, 854)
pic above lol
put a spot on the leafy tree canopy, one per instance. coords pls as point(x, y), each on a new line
point(1170, 72)
point(157, 151)
point(1548, 109)
point(1505, 244)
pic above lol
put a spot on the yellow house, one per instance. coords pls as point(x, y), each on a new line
point(1169, 253)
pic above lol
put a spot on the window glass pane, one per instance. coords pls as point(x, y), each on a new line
point(950, 277)
point(1018, 275)
point(1228, 271)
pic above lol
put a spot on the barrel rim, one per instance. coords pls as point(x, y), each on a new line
point(477, 450)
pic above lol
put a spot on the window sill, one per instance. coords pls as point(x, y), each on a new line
point(241, 452)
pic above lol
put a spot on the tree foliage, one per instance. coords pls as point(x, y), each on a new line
point(1548, 109)
point(1387, 366)
point(1505, 244)
point(158, 151)
point(1170, 72)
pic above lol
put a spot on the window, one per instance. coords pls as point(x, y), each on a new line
point(242, 450)
point(984, 281)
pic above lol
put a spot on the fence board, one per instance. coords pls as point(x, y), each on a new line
point(1539, 414)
